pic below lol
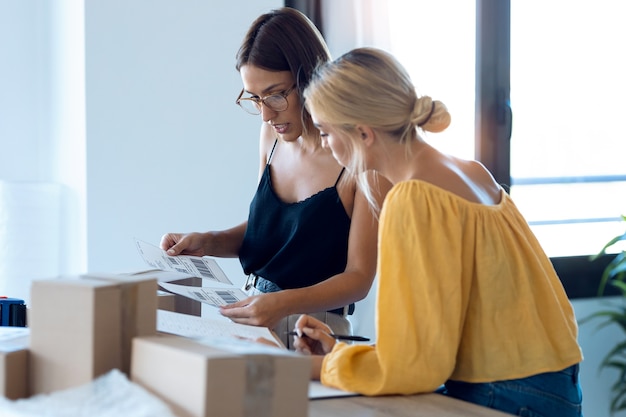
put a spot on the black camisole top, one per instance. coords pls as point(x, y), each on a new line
point(295, 245)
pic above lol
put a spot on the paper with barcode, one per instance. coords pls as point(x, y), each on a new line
point(215, 294)
point(201, 267)
point(211, 329)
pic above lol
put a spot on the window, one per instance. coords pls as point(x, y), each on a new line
point(535, 90)
point(568, 143)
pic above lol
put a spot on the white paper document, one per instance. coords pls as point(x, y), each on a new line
point(201, 267)
point(216, 289)
point(216, 327)
point(214, 294)
point(317, 391)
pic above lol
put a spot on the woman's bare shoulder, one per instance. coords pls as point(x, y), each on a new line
point(469, 179)
point(267, 139)
point(482, 181)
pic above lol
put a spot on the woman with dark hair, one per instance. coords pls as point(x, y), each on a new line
point(309, 244)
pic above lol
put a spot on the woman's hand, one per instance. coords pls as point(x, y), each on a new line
point(314, 336)
point(184, 244)
point(257, 310)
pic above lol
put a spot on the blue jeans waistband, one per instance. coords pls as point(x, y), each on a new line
point(261, 284)
point(265, 285)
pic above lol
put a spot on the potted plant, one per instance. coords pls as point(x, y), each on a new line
point(614, 275)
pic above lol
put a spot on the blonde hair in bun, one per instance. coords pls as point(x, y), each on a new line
point(368, 86)
point(430, 115)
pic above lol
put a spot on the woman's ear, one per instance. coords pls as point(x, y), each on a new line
point(366, 133)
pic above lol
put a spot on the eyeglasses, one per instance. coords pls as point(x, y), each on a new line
point(275, 101)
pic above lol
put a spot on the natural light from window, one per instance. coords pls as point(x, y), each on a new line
point(568, 143)
point(567, 94)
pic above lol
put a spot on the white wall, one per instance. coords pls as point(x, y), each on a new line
point(42, 142)
point(167, 148)
point(24, 90)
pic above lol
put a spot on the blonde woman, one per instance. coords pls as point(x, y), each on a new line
point(467, 298)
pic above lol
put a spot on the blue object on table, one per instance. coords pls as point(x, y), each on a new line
point(12, 312)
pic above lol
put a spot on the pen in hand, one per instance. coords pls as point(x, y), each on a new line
point(337, 336)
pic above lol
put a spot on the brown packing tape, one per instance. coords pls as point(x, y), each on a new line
point(129, 296)
point(134, 321)
point(260, 381)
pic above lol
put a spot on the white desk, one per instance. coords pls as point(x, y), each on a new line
point(425, 405)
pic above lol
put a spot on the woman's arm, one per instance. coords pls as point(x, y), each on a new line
point(420, 303)
point(223, 243)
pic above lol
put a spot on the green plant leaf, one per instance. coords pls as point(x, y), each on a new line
point(619, 365)
point(619, 402)
point(618, 389)
point(617, 263)
point(620, 284)
point(614, 275)
point(614, 271)
point(609, 244)
point(617, 316)
point(612, 360)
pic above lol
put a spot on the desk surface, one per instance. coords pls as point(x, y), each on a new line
point(425, 405)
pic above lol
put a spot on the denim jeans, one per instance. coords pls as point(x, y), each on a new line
point(549, 394)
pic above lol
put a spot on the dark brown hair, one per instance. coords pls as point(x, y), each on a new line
point(285, 40)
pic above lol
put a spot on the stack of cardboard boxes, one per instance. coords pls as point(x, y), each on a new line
point(83, 327)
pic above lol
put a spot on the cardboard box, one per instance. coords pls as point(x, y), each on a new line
point(182, 304)
point(76, 332)
point(14, 362)
point(138, 309)
point(199, 380)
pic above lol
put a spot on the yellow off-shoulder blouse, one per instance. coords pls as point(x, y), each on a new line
point(465, 292)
